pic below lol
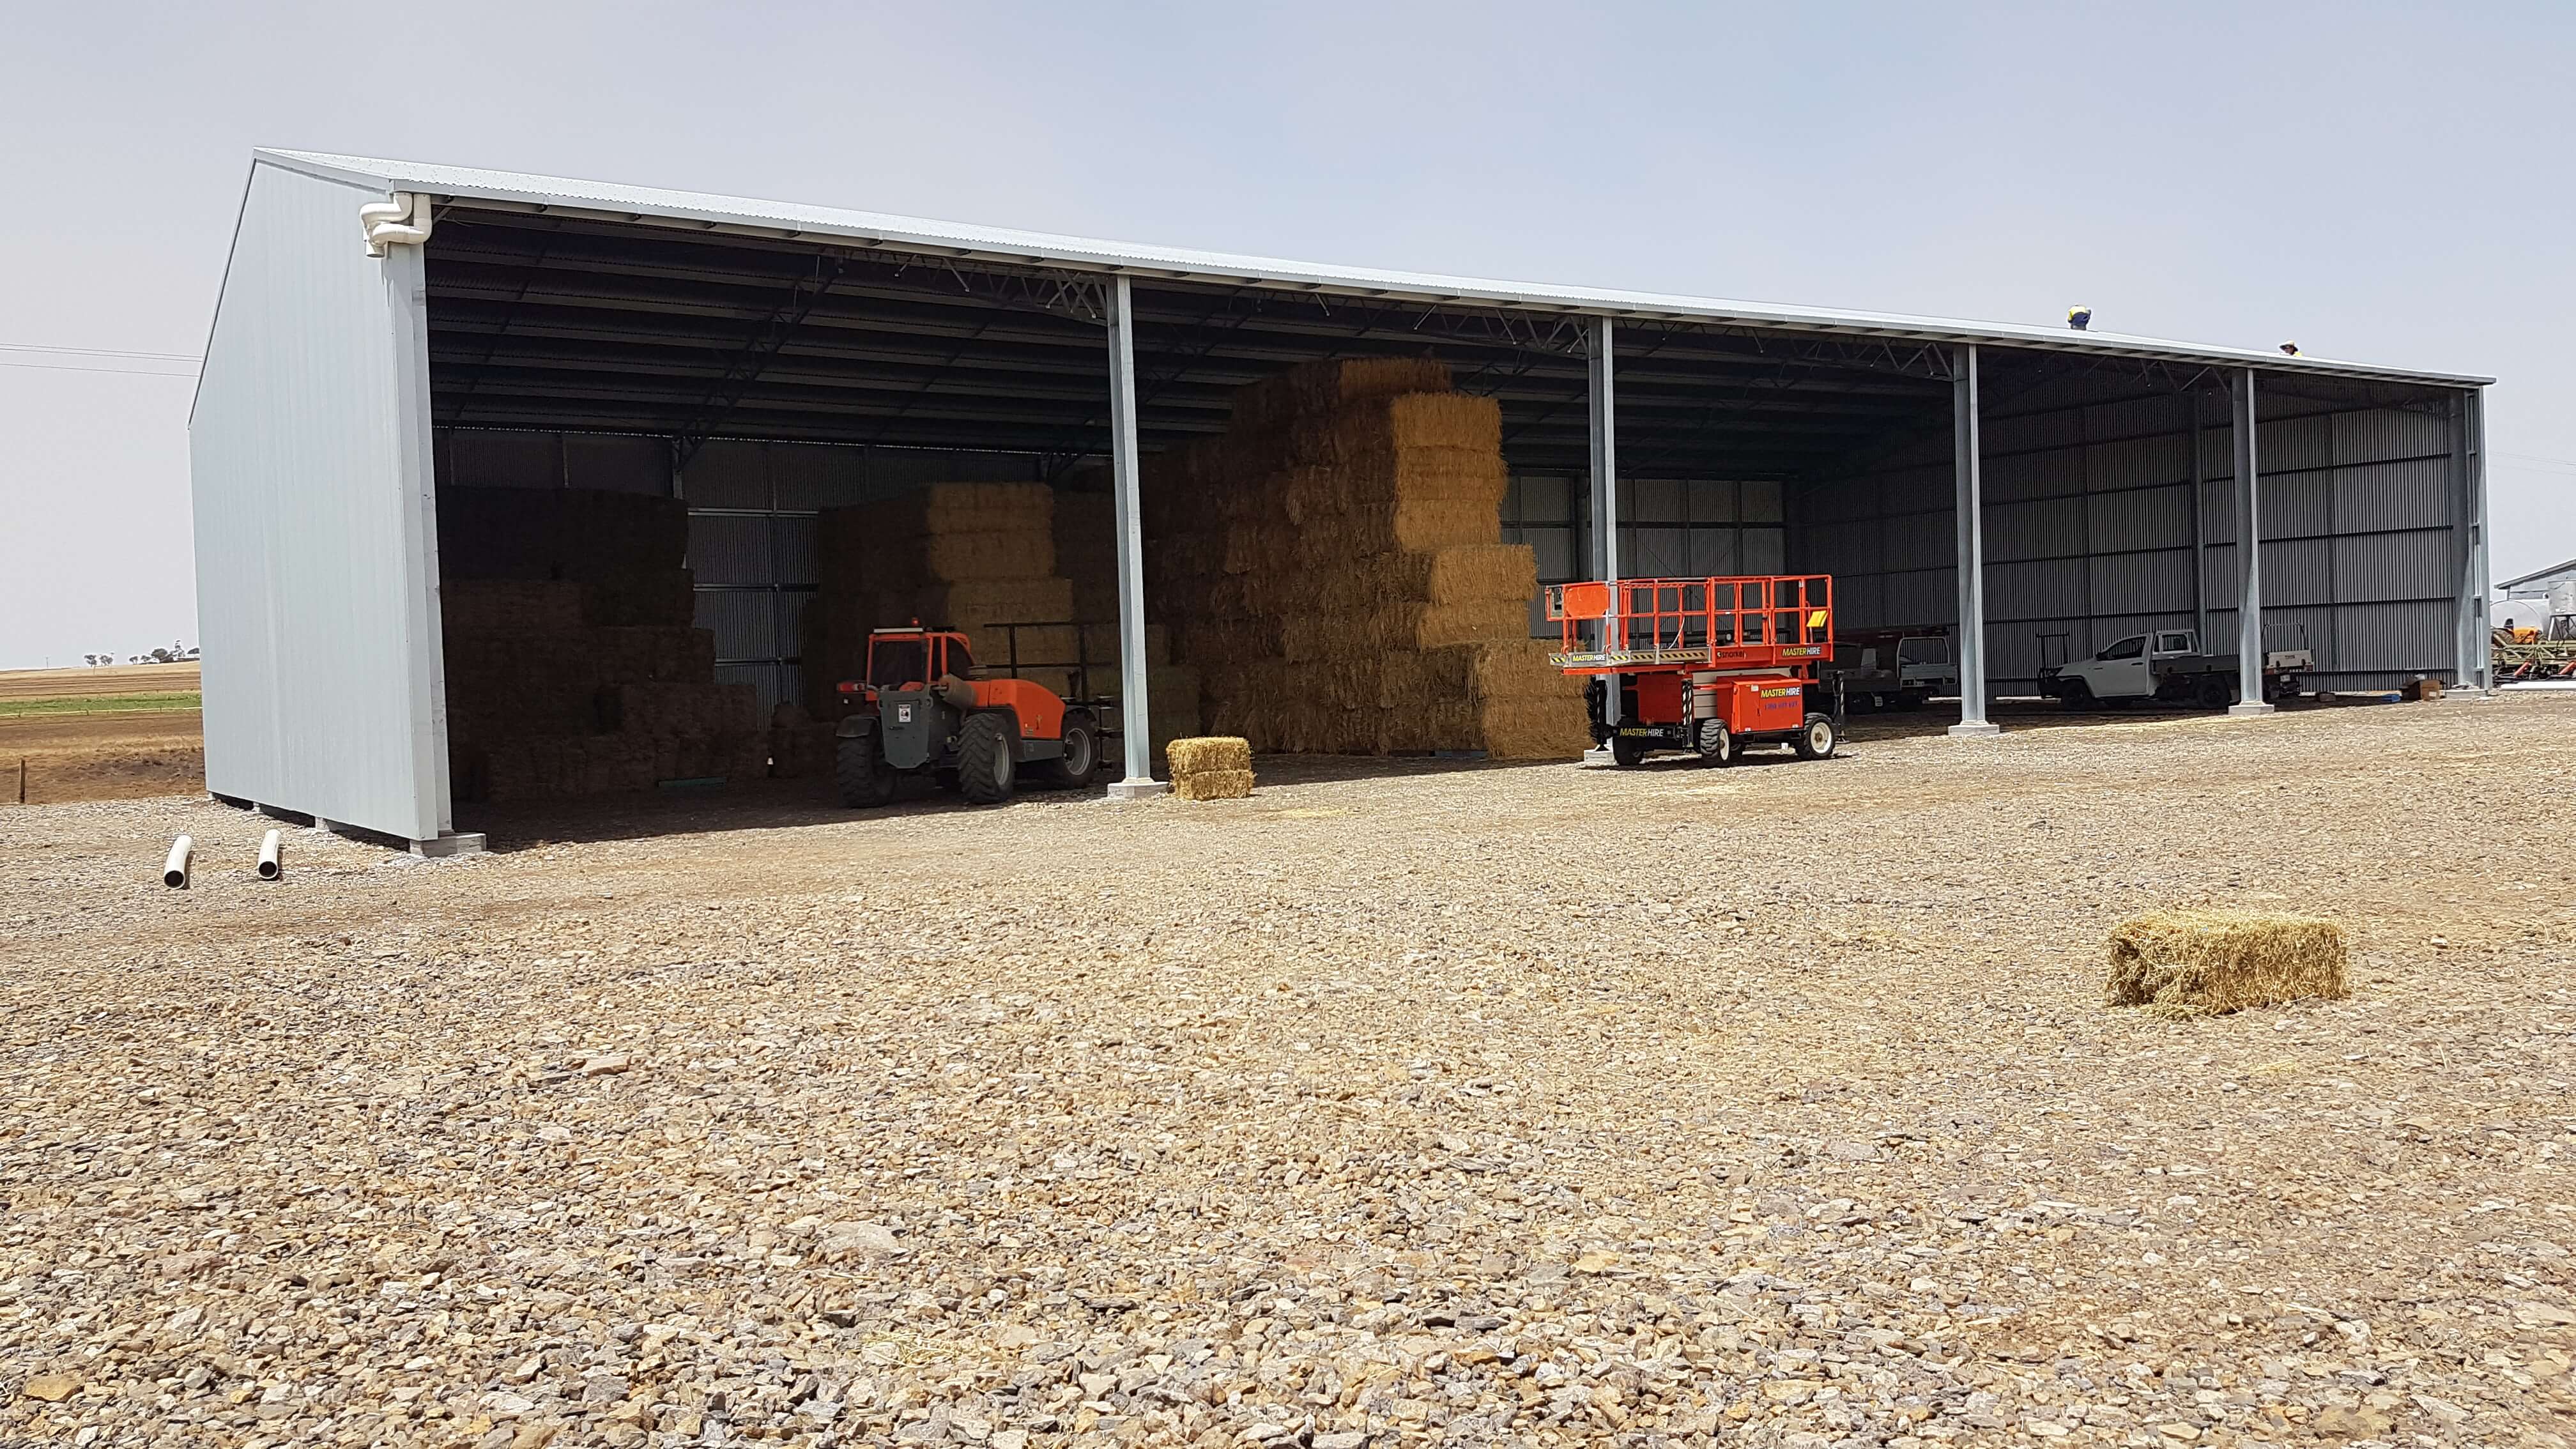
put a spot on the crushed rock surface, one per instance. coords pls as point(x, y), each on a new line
point(1398, 1104)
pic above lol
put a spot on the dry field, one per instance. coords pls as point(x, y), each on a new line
point(1393, 1105)
point(56, 753)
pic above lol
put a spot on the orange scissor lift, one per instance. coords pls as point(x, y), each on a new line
point(1705, 665)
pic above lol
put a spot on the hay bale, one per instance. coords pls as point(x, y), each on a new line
point(1211, 752)
point(508, 606)
point(1214, 785)
point(2204, 963)
point(1320, 387)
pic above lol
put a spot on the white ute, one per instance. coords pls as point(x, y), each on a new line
point(2167, 664)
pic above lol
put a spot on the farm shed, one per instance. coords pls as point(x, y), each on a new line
point(392, 333)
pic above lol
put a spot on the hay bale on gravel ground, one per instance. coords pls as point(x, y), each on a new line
point(2205, 963)
point(1210, 768)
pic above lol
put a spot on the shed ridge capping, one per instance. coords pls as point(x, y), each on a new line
point(960, 239)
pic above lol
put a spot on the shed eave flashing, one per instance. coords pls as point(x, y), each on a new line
point(701, 212)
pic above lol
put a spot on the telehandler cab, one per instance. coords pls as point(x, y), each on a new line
point(919, 712)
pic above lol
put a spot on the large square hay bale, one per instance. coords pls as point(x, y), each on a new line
point(1210, 767)
point(2203, 963)
point(1217, 752)
point(1214, 785)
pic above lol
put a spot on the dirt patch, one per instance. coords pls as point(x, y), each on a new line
point(122, 755)
point(106, 680)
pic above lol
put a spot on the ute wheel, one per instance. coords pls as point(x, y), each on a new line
point(864, 779)
point(2212, 692)
point(1627, 750)
point(1911, 699)
point(985, 768)
point(1816, 738)
point(1081, 758)
point(1716, 742)
point(2077, 694)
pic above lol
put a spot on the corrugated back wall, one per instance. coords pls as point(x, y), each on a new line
point(1668, 528)
point(2090, 521)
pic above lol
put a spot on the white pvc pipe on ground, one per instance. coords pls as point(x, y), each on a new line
point(269, 866)
point(174, 871)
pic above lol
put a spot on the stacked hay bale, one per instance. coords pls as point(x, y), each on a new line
point(1086, 549)
point(2205, 963)
point(964, 556)
point(800, 746)
point(572, 667)
point(1333, 566)
point(1216, 768)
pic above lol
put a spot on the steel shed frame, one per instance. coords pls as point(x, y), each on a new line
point(581, 307)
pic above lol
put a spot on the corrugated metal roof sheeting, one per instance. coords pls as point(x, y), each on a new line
point(954, 239)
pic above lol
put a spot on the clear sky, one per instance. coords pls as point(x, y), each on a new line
point(2383, 182)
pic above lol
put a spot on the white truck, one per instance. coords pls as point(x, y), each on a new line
point(1892, 668)
point(2168, 665)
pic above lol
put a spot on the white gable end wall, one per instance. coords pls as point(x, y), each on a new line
point(316, 576)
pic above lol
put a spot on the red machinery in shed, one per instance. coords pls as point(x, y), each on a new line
point(1705, 665)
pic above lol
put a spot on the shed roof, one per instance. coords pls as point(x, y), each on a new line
point(958, 240)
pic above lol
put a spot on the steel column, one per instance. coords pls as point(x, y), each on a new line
point(2473, 414)
point(1967, 467)
point(2199, 529)
point(1601, 391)
point(2249, 559)
point(1135, 712)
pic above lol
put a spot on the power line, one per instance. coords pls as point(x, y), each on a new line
point(188, 357)
point(124, 371)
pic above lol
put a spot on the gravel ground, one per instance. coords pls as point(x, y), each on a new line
point(1394, 1105)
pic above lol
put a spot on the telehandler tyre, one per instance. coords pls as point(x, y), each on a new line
point(864, 779)
point(985, 767)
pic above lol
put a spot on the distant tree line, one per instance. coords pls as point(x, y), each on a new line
point(176, 653)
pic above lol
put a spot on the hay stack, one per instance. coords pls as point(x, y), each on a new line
point(1214, 768)
point(1086, 549)
point(1332, 564)
point(2204, 963)
point(572, 668)
point(965, 556)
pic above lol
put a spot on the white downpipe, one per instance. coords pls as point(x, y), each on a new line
point(403, 221)
point(269, 865)
point(174, 871)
